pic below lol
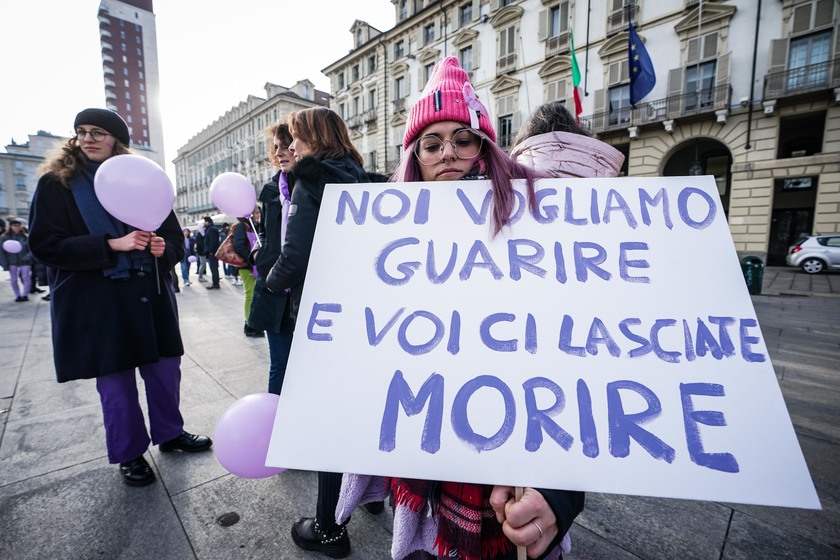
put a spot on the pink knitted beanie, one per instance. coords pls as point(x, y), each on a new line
point(448, 96)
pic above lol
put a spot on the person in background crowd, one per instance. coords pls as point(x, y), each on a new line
point(224, 230)
point(449, 137)
point(189, 251)
point(269, 312)
point(200, 253)
point(113, 311)
point(19, 264)
point(324, 154)
point(211, 245)
point(244, 239)
point(551, 142)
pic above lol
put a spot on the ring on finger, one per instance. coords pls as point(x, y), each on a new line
point(537, 525)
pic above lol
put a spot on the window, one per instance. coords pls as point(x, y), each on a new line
point(122, 35)
point(465, 14)
point(128, 95)
point(504, 3)
point(342, 112)
point(403, 13)
point(399, 49)
point(128, 106)
point(128, 119)
point(140, 75)
point(125, 71)
point(558, 19)
point(372, 65)
point(125, 59)
point(122, 46)
point(399, 87)
point(372, 99)
point(505, 131)
point(801, 135)
point(139, 51)
point(700, 80)
point(356, 73)
point(465, 56)
point(139, 63)
point(341, 80)
point(126, 83)
point(427, 72)
point(429, 34)
point(142, 87)
point(619, 99)
point(507, 38)
point(143, 98)
point(356, 106)
point(807, 51)
point(359, 37)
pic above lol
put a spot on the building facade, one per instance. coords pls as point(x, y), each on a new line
point(235, 142)
point(130, 68)
point(745, 91)
point(18, 173)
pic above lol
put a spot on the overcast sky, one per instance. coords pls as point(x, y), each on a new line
point(212, 55)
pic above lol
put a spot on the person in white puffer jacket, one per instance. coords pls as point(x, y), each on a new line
point(552, 142)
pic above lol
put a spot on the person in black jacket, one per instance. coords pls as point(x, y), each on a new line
point(113, 306)
point(324, 154)
point(244, 239)
point(211, 245)
point(269, 312)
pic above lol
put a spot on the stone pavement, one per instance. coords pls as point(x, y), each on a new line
point(60, 499)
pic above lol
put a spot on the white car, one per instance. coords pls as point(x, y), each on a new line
point(815, 253)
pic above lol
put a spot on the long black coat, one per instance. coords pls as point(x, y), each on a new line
point(101, 326)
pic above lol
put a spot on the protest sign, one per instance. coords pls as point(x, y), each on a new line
point(606, 344)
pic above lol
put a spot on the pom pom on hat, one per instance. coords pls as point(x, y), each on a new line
point(106, 120)
point(448, 96)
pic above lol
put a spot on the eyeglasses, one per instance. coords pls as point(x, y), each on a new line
point(97, 135)
point(466, 145)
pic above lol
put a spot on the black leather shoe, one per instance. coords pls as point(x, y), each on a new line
point(213, 287)
point(375, 507)
point(309, 536)
point(188, 442)
point(137, 472)
point(253, 332)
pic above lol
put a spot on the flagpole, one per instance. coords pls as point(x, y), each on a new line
point(586, 59)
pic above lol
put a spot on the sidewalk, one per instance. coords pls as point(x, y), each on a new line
point(60, 499)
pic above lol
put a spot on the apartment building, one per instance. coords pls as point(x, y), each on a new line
point(18, 172)
point(746, 91)
point(235, 142)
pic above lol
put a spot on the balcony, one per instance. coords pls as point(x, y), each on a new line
point(660, 110)
point(618, 20)
point(557, 45)
point(354, 122)
point(506, 64)
point(811, 78)
point(399, 104)
point(106, 46)
point(369, 116)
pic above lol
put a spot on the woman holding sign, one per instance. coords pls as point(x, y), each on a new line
point(324, 154)
point(113, 310)
point(449, 137)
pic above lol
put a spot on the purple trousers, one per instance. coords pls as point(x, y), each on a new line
point(21, 273)
point(125, 427)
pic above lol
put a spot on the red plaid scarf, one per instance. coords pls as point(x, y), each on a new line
point(467, 526)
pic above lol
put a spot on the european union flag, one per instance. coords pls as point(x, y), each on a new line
point(642, 76)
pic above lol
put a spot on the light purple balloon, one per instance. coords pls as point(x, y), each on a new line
point(243, 434)
point(135, 190)
point(12, 246)
point(233, 194)
point(192, 258)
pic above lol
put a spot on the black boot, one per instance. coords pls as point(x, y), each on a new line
point(137, 472)
point(309, 536)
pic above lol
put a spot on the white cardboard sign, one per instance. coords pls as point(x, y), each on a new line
point(608, 345)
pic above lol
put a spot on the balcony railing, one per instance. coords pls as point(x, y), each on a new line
point(399, 104)
point(354, 122)
point(658, 110)
point(506, 64)
point(557, 44)
point(814, 77)
point(369, 115)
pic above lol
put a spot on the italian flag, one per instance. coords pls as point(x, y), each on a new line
point(576, 79)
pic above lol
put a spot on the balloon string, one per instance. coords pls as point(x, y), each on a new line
point(157, 273)
point(256, 234)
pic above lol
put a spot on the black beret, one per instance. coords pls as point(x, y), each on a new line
point(106, 120)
